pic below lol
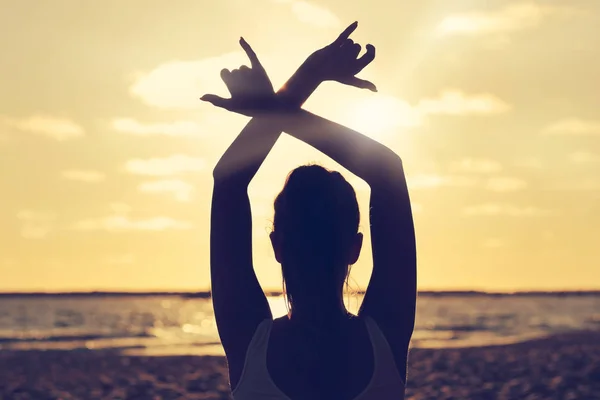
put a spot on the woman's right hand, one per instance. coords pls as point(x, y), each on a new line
point(339, 61)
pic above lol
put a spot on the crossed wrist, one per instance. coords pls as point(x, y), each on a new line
point(298, 88)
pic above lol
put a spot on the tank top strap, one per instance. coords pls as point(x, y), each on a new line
point(260, 341)
point(385, 370)
point(255, 365)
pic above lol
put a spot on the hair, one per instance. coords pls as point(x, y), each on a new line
point(316, 220)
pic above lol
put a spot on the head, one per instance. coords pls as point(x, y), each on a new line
point(315, 234)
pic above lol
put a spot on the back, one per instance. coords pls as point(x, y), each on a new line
point(288, 362)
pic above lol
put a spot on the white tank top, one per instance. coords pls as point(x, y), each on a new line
point(256, 384)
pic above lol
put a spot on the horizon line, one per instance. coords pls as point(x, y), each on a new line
point(207, 293)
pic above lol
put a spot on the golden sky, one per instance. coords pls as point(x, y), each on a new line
point(106, 153)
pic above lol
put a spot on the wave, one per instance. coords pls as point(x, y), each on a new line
point(593, 320)
point(74, 338)
point(461, 328)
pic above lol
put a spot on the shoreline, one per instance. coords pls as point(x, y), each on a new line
point(215, 349)
point(561, 366)
point(75, 344)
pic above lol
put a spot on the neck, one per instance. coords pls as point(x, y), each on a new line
point(316, 310)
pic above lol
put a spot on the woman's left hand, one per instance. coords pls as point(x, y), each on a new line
point(251, 90)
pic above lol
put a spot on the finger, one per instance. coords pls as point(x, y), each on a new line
point(366, 58)
point(344, 35)
point(216, 100)
point(235, 80)
point(352, 50)
point(356, 48)
point(360, 83)
point(244, 68)
point(251, 54)
point(226, 76)
point(229, 79)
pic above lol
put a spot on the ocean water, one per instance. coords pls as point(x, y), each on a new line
point(162, 325)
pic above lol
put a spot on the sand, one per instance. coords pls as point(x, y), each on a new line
point(561, 367)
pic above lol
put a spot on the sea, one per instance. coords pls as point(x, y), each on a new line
point(180, 324)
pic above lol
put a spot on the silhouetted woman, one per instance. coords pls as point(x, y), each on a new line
point(319, 350)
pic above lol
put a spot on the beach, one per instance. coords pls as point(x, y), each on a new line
point(564, 366)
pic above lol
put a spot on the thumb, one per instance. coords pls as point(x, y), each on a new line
point(360, 83)
point(217, 101)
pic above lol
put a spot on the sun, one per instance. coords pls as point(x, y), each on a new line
point(380, 115)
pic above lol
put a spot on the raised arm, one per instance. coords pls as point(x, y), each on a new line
point(239, 302)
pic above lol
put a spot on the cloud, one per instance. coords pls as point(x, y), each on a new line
point(181, 190)
point(493, 209)
point(121, 223)
point(583, 158)
point(455, 102)
point(495, 184)
point(573, 126)
point(172, 165)
point(430, 181)
point(83, 175)
point(375, 114)
point(35, 224)
point(514, 17)
point(177, 128)
point(505, 184)
point(476, 166)
point(312, 14)
point(55, 128)
point(579, 184)
point(180, 84)
point(584, 184)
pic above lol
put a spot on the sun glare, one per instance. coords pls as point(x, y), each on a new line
point(380, 115)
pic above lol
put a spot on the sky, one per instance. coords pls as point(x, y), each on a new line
point(106, 153)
